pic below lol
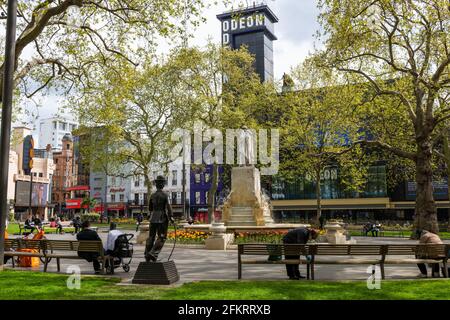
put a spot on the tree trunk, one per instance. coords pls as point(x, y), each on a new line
point(148, 184)
point(447, 162)
point(318, 199)
point(212, 193)
point(426, 212)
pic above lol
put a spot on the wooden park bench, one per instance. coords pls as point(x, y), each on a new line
point(55, 249)
point(267, 249)
point(22, 228)
point(66, 226)
point(13, 248)
point(364, 254)
point(68, 249)
point(417, 253)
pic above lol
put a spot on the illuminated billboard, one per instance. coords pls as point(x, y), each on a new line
point(39, 194)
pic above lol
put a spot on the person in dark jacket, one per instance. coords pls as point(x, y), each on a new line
point(139, 219)
point(88, 234)
point(321, 221)
point(76, 222)
point(297, 236)
point(161, 214)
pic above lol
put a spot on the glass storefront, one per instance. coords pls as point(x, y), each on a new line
point(303, 187)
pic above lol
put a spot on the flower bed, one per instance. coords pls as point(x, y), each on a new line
point(260, 236)
point(124, 220)
point(188, 237)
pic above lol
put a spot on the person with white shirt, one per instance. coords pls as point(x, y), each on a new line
point(113, 234)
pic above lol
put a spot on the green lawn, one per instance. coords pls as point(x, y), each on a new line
point(406, 234)
point(13, 228)
point(53, 286)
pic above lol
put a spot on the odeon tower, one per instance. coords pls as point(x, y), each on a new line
point(253, 27)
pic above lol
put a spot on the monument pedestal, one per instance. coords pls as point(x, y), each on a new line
point(156, 273)
point(335, 234)
point(143, 232)
point(218, 239)
point(246, 204)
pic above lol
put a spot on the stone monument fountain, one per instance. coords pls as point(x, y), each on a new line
point(246, 204)
point(335, 233)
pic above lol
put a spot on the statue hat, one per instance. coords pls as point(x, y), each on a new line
point(160, 178)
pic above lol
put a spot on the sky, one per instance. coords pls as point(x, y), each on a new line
point(295, 31)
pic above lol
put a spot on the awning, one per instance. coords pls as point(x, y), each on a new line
point(78, 188)
point(116, 207)
point(75, 204)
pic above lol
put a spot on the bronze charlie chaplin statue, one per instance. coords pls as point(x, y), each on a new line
point(161, 214)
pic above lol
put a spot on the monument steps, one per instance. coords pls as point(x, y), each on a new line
point(242, 216)
point(237, 218)
point(240, 223)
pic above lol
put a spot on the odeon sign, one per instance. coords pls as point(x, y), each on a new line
point(254, 20)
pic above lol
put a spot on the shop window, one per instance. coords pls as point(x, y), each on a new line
point(197, 197)
point(174, 177)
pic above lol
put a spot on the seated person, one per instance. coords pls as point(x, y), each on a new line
point(52, 223)
point(37, 222)
point(59, 227)
point(76, 222)
point(367, 227)
point(374, 230)
point(113, 234)
point(426, 237)
point(29, 224)
point(88, 234)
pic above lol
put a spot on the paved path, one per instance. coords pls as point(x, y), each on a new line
point(195, 263)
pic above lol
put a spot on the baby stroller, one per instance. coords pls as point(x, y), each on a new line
point(123, 253)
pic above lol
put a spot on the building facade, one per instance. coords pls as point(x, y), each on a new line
point(53, 129)
point(252, 27)
point(65, 174)
point(125, 195)
point(200, 186)
point(42, 172)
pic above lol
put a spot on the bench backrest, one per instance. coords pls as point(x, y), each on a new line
point(272, 249)
point(29, 244)
point(10, 244)
point(346, 249)
point(74, 245)
point(422, 250)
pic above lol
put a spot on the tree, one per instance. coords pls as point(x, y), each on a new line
point(400, 49)
point(88, 204)
point(138, 109)
point(226, 90)
point(446, 147)
point(443, 152)
point(66, 41)
point(318, 129)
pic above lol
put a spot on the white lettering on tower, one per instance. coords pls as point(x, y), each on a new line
point(260, 20)
point(225, 26)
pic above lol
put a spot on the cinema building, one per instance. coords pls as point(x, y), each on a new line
point(19, 182)
point(296, 200)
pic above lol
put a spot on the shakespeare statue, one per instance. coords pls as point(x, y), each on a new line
point(246, 152)
point(161, 214)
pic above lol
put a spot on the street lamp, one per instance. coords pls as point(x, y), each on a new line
point(7, 96)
